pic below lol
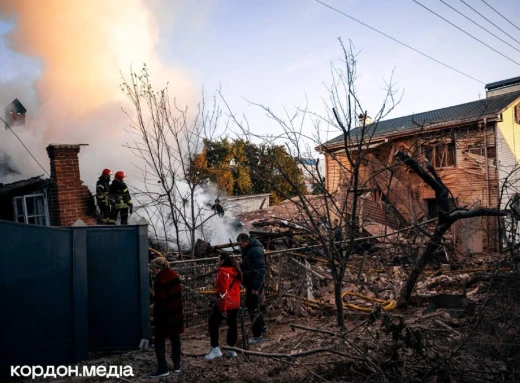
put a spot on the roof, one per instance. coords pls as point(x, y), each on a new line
point(372, 212)
point(32, 182)
point(503, 83)
point(16, 107)
point(468, 112)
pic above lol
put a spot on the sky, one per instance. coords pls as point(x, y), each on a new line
point(277, 53)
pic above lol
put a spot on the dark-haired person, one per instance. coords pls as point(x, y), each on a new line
point(227, 289)
point(253, 268)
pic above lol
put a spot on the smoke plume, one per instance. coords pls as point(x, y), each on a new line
point(81, 47)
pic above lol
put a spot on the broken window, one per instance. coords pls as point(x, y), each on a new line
point(441, 155)
point(479, 149)
point(31, 209)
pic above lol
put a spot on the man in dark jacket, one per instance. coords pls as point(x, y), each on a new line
point(253, 268)
point(102, 187)
point(120, 199)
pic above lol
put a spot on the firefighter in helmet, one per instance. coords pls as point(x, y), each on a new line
point(120, 199)
point(103, 203)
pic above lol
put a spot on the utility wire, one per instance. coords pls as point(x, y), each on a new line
point(489, 21)
point(34, 158)
point(469, 34)
point(501, 15)
point(478, 25)
point(399, 42)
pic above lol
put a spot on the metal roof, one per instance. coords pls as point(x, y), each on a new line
point(16, 107)
point(33, 182)
point(503, 83)
point(468, 112)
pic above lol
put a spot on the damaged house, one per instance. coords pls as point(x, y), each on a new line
point(59, 200)
point(473, 146)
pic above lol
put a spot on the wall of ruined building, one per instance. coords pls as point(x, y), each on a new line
point(466, 180)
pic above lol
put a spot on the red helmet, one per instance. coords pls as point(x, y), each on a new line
point(120, 175)
point(106, 172)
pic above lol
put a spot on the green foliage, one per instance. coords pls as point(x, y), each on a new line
point(239, 167)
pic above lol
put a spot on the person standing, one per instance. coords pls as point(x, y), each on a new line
point(168, 315)
point(253, 269)
point(217, 207)
point(120, 198)
point(102, 186)
point(229, 279)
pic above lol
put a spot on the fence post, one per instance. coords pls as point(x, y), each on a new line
point(144, 288)
point(80, 291)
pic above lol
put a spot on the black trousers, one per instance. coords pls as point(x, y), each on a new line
point(104, 213)
point(160, 352)
point(124, 216)
point(215, 321)
point(253, 304)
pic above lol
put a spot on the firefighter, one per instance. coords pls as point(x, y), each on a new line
point(120, 199)
point(103, 203)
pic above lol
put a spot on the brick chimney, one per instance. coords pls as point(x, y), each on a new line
point(70, 200)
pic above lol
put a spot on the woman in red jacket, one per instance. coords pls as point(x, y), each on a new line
point(168, 315)
point(229, 279)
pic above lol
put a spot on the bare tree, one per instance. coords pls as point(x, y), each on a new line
point(167, 139)
point(318, 213)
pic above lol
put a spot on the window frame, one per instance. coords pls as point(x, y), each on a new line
point(23, 214)
point(433, 149)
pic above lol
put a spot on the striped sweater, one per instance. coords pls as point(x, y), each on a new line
point(167, 312)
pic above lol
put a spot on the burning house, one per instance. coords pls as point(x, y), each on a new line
point(59, 200)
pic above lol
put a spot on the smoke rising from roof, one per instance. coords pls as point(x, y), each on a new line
point(72, 54)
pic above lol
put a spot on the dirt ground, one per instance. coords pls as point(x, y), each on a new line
point(279, 339)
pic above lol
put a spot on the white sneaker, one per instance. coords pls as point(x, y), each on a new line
point(231, 354)
point(213, 353)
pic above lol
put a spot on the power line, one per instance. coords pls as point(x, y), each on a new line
point(501, 15)
point(469, 34)
point(399, 42)
point(477, 24)
point(489, 21)
point(34, 158)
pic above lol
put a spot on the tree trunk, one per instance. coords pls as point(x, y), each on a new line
point(418, 267)
point(339, 304)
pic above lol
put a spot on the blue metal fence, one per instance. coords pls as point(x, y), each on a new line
point(65, 291)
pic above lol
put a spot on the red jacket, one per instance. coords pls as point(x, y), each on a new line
point(167, 311)
point(228, 292)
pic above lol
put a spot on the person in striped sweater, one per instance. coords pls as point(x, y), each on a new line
point(168, 315)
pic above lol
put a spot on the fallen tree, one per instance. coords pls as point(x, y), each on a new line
point(447, 217)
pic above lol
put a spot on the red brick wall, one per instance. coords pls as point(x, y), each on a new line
point(70, 200)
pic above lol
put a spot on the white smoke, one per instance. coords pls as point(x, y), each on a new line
point(63, 60)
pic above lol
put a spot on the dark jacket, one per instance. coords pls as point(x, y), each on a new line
point(102, 187)
point(253, 265)
point(119, 195)
point(218, 209)
point(168, 314)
